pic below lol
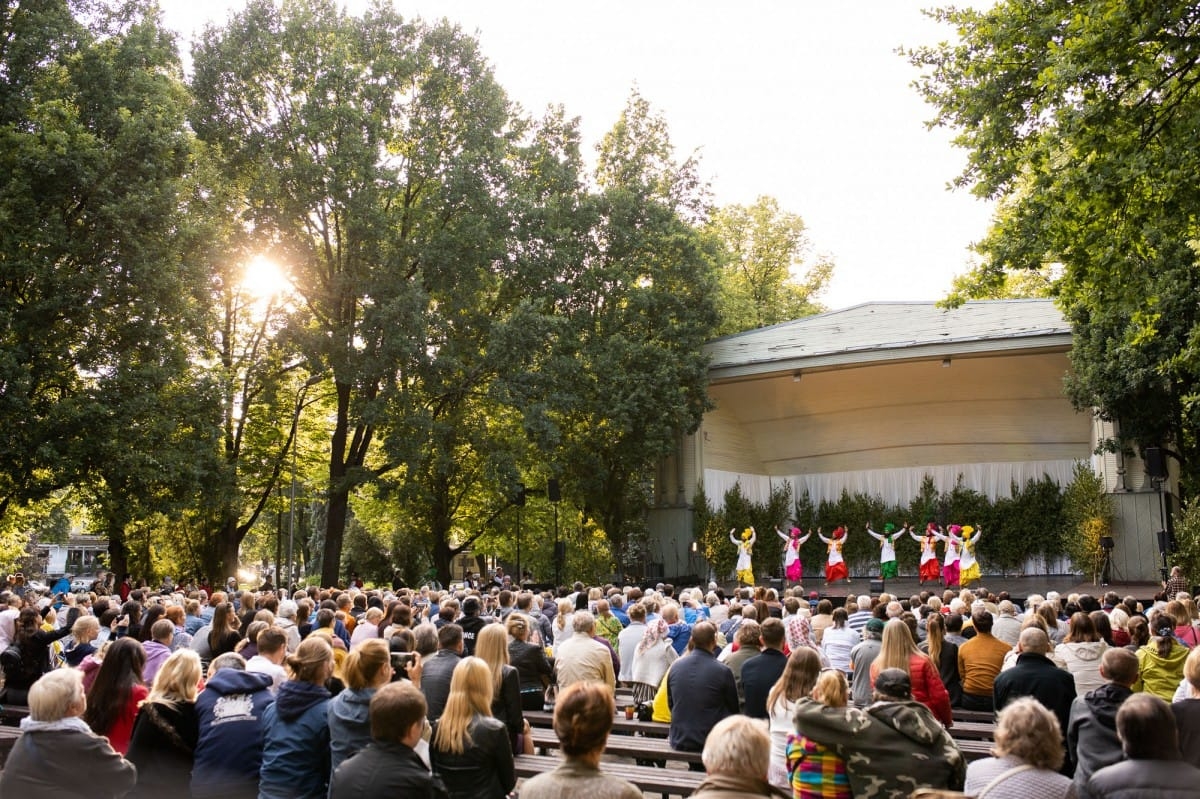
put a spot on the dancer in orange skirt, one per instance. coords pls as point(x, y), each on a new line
point(931, 570)
point(835, 564)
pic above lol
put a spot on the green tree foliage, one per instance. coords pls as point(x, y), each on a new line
point(625, 377)
point(1080, 118)
point(1087, 515)
point(96, 299)
point(769, 273)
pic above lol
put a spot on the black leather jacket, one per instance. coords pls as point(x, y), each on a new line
point(385, 769)
point(485, 768)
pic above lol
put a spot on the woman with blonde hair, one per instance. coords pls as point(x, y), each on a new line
point(797, 681)
point(367, 668)
point(898, 650)
point(815, 771)
point(296, 752)
point(534, 669)
point(163, 743)
point(470, 749)
point(492, 649)
point(563, 628)
point(1026, 757)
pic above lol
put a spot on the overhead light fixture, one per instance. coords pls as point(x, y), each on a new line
point(945, 363)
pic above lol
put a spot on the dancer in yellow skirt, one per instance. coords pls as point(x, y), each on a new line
point(745, 572)
point(968, 565)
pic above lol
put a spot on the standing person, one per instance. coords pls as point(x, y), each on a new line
point(1176, 584)
point(930, 570)
point(835, 563)
point(437, 671)
point(796, 683)
point(230, 715)
point(950, 564)
point(296, 751)
point(629, 640)
point(470, 749)
point(979, 661)
point(1026, 758)
point(31, 645)
point(223, 635)
point(968, 563)
point(1152, 766)
point(583, 717)
point(887, 549)
point(57, 754)
point(390, 765)
point(492, 649)
point(651, 659)
point(582, 658)
point(116, 693)
point(700, 691)
point(745, 547)
point(165, 733)
point(793, 568)
point(899, 651)
point(1092, 729)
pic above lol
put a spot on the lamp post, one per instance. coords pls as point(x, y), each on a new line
point(554, 494)
point(520, 503)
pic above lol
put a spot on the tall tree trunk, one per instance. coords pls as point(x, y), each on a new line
point(118, 555)
point(339, 492)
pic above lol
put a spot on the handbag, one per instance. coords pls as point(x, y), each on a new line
point(999, 778)
point(645, 711)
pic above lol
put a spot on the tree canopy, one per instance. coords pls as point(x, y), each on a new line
point(1080, 118)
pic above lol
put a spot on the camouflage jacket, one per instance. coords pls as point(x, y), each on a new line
point(890, 748)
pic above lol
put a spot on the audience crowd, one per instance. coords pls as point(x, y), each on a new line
point(260, 694)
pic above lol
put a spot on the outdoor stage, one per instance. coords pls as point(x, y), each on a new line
point(1018, 587)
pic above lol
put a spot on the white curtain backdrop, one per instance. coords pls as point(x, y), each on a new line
point(894, 486)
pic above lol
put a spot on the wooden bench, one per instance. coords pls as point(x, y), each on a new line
point(973, 730)
point(625, 746)
point(984, 716)
point(973, 749)
point(676, 782)
point(11, 715)
point(621, 725)
point(8, 739)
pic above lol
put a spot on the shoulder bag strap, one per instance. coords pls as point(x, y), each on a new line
point(999, 778)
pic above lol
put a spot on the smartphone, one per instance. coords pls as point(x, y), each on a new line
point(400, 660)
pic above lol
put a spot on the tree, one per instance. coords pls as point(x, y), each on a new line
point(625, 377)
point(1079, 117)
point(97, 302)
point(769, 274)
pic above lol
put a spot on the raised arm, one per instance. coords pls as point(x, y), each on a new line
point(872, 533)
point(800, 541)
point(823, 538)
point(782, 535)
point(732, 538)
point(753, 536)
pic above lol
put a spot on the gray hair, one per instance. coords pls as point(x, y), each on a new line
point(583, 622)
point(229, 660)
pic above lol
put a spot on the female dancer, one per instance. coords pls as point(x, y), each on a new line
point(745, 572)
point(930, 568)
point(835, 564)
point(887, 550)
point(950, 564)
point(968, 565)
point(793, 569)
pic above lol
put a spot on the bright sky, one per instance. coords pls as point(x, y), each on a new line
point(803, 100)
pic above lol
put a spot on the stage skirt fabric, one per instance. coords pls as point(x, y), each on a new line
point(931, 571)
point(888, 570)
point(969, 575)
point(836, 571)
point(795, 571)
point(950, 573)
point(746, 576)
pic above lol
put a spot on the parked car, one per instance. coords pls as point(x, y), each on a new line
point(82, 583)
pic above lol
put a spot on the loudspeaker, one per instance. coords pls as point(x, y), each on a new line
point(1106, 542)
point(553, 491)
point(876, 587)
point(560, 550)
point(1156, 463)
point(1165, 544)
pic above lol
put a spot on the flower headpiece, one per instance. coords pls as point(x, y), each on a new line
point(746, 534)
point(795, 532)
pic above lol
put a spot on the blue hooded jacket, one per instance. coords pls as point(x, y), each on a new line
point(349, 724)
point(295, 762)
point(229, 752)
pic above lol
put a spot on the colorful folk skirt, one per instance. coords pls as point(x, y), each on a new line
point(888, 570)
point(836, 571)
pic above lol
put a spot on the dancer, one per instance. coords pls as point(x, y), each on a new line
point(930, 568)
point(968, 565)
point(887, 550)
point(793, 569)
point(835, 564)
point(950, 563)
point(745, 572)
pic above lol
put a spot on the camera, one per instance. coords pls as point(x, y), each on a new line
point(400, 662)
